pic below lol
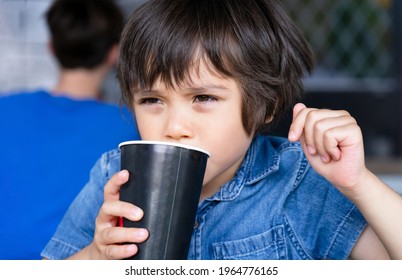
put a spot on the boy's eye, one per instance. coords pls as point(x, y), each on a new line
point(204, 98)
point(149, 100)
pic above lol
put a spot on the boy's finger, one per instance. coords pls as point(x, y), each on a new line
point(297, 108)
point(296, 128)
point(299, 123)
point(118, 235)
point(119, 252)
point(325, 140)
point(314, 128)
point(112, 187)
point(330, 143)
point(115, 208)
point(340, 138)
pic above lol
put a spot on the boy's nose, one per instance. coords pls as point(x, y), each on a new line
point(178, 126)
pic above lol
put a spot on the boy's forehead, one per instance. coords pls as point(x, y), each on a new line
point(198, 76)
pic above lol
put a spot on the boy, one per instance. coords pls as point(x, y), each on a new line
point(214, 74)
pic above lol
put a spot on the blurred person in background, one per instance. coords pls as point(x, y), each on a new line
point(50, 139)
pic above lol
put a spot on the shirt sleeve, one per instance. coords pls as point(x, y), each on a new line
point(76, 230)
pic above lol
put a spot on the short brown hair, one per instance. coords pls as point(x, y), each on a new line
point(83, 31)
point(252, 41)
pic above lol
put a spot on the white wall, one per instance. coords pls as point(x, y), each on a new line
point(24, 59)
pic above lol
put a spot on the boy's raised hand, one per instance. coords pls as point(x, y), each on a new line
point(109, 237)
point(332, 142)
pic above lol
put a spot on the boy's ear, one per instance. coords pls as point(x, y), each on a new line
point(50, 47)
point(269, 119)
point(113, 55)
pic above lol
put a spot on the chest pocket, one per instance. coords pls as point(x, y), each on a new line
point(269, 245)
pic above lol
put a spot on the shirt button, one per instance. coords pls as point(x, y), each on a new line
point(195, 225)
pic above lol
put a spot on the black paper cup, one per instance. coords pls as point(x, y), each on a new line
point(165, 182)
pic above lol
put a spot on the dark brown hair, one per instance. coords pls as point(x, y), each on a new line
point(83, 31)
point(252, 41)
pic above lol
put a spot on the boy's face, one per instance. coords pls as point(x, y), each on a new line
point(205, 114)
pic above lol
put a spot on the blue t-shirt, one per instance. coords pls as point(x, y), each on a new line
point(47, 148)
point(276, 207)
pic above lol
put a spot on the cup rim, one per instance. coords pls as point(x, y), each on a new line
point(180, 145)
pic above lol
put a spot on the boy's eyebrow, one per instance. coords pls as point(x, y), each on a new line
point(207, 87)
point(196, 89)
point(147, 92)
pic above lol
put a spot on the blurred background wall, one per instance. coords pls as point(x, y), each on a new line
point(358, 51)
point(25, 61)
point(357, 47)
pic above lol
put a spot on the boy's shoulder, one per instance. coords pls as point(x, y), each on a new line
point(271, 154)
point(107, 165)
point(276, 146)
point(111, 157)
point(285, 160)
point(281, 144)
point(23, 94)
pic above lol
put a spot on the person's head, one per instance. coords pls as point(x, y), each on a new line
point(211, 73)
point(251, 41)
point(83, 32)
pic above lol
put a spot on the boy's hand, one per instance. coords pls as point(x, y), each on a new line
point(332, 142)
point(108, 239)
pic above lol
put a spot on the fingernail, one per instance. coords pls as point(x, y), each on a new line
point(324, 159)
point(141, 233)
point(137, 213)
point(131, 249)
point(292, 135)
point(123, 173)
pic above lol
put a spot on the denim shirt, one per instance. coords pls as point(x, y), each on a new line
point(276, 207)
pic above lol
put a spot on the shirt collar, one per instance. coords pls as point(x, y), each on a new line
point(261, 160)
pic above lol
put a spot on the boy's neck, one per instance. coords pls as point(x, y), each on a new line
point(216, 183)
point(80, 83)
